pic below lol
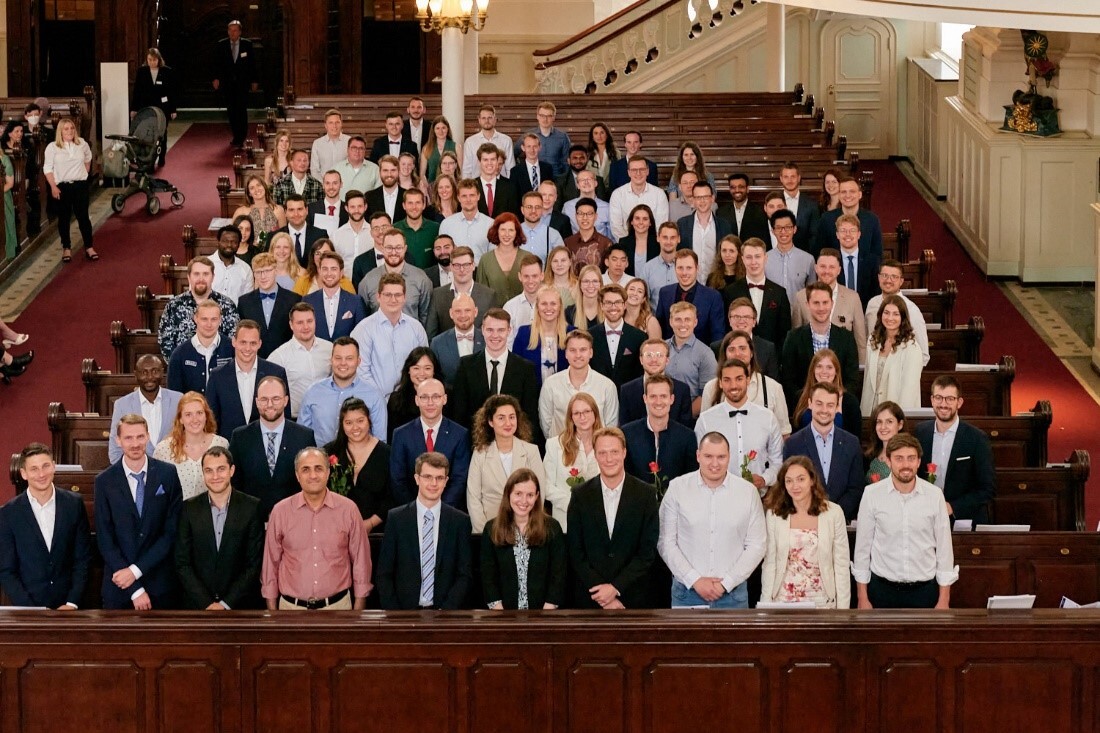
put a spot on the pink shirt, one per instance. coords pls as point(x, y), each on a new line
point(316, 554)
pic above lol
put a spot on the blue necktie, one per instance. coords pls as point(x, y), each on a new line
point(427, 559)
point(851, 272)
point(139, 495)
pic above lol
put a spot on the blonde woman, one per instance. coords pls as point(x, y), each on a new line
point(194, 430)
point(444, 197)
point(638, 311)
point(267, 216)
point(585, 311)
point(570, 457)
point(501, 436)
point(277, 164)
point(287, 269)
point(543, 341)
point(559, 273)
point(66, 164)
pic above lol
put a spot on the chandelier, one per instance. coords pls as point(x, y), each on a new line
point(435, 15)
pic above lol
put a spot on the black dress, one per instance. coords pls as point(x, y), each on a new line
point(399, 412)
point(372, 491)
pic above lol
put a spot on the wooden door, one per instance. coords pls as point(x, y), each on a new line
point(858, 76)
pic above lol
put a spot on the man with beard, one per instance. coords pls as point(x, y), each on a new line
point(380, 223)
point(329, 213)
point(353, 238)
point(468, 227)
point(418, 287)
point(440, 273)
point(387, 197)
point(747, 218)
point(322, 402)
point(462, 283)
point(540, 237)
point(413, 128)
point(420, 233)
point(153, 402)
point(568, 183)
point(177, 323)
point(232, 277)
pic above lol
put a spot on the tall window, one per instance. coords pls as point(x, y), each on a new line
point(951, 39)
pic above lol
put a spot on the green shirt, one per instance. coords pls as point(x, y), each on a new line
point(420, 242)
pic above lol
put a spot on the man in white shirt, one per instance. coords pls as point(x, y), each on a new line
point(579, 377)
point(305, 357)
point(702, 230)
point(331, 148)
point(586, 185)
point(712, 531)
point(684, 204)
point(232, 277)
point(487, 121)
point(354, 238)
point(755, 440)
point(356, 172)
point(903, 556)
point(469, 227)
point(522, 307)
point(890, 279)
point(638, 191)
point(540, 237)
point(791, 267)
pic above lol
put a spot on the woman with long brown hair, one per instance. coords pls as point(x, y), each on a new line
point(365, 460)
point(728, 266)
point(888, 419)
point(194, 430)
point(638, 311)
point(439, 142)
point(570, 456)
point(825, 367)
point(266, 214)
point(894, 360)
point(277, 164)
point(523, 555)
point(501, 436)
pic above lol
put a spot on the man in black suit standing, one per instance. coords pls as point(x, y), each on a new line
point(799, 348)
point(616, 345)
point(498, 195)
point(264, 450)
point(957, 456)
point(45, 543)
point(232, 386)
point(393, 142)
point(387, 197)
point(425, 560)
point(220, 544)
point(613, 531)
point(658, 441)
point(773, 307)
point(747, 218)
point(302, 233)
point(528, 173)
point(235, 67)
point(268, 305)
point(654, 359)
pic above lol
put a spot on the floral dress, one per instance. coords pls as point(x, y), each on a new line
point(523, 560)
point(802, 581)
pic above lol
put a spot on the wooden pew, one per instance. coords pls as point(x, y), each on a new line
point(194, 245)
point(1049, 499)
point(174, 276)
point(151, 306)
point(1018, 441)
point(948, 347)
point(79, 438)
point(78, 482)
point(103, 387)
point(129, 345)
point(937, 306)
point(895, 244)
point(918, 273)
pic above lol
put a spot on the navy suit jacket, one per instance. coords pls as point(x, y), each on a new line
point(628, 363)
point(870, 231)
point(348, 304)
point(253, 476)
point(312, 235)
point(617, 175)
point(519, 348)
point(675, 458)
point(187, 367)
point(225, 400)
point(867, 266)
point(521, 176)
point(126, 539)
point(408, 444)
point(445, 347)
point(277, 332)
point(30, 574)
point(807, 220)
point(846, 478)
point(969, 484)
point(766, 357)
point(686, 225)
point(398, 573)
point(798, 351)
point(708, 307)
point(631, 406)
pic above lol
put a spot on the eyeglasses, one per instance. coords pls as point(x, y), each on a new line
point(848, 231)
point(637, 170)
point(944, 399)
point(430, 397)
point(461, 265)
point(393, 248)
point(653, 354)
point(269, 400)
point(889, 277)
point(391, 295)
point(581, 413)
point(785, 228)
point(432, 479)
point(613, 303)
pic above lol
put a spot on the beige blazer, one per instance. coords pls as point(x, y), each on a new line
point(834, 557)
point(900, 381)
point(847, 313)
point(485, 482)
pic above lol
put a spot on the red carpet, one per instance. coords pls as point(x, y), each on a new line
point(69, 320)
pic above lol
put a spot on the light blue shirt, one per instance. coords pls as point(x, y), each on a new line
point(793, 270)
point(268, 304)
point(321, 404)
point(942, 444)
point(693, 364)
point(554, 150)
point(657, 273)
point(850, 260)
point(540, 239)
point(278, 432)
point(824, 449)
point(384, 346)
point(603, 216)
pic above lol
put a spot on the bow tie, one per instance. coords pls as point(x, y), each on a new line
point(268, 296)
point(612, 332)
point(379, 256)
point(734, 413)
point(549, 364)
point(464, 338)
point(758, 287)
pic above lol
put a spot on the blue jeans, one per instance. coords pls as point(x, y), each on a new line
point(684, 596)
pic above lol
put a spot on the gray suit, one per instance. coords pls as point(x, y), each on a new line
point(439, 310)
point(418, 291)
point(131, 404)
point(445, 346)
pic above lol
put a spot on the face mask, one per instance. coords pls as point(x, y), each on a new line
point(32, 120)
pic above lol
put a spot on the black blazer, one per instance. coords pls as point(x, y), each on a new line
point(235, 76)
point(30, 574)
point(377, 202)
point(125, 539)
point(807, 221)
point(277, 332)
point(653, 249)
point(628, 363)
point(425, 133)
point(675, 458)
point(625, 559)
point(968, 485)
point(471, 389)
point(320, 207)
point(312, 235)
point(225, 400)
point(521, 176)
point(229, 573)
point(253, 477)
point(381, 147)
point(545, 570)
point(397, 575)
point(505, 198)
point(798, 350)
point(560, 223)
point(617, 175)
point(867, 267)
point(162, 93)
point(753, 224)
point(439, 309)
point(363, 264)
point(631, 406)
point(773, 322)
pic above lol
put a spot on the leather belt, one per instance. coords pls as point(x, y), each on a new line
point(314, 604)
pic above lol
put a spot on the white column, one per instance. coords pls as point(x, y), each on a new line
point(777, 47)
point(454, 97)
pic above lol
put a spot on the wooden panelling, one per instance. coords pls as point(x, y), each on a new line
point(372, 695)
point(281, 694)
point(909, 696)
point(597, 696)
point(1001, 694)
point(823, 710)
point(110, 694)
point(183, 685)
point(678, 695)
point(501, 692)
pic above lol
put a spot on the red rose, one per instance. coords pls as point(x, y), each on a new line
point(332, 460)
point(932, 468)
point(574, 472)
point(752, 455)
point(875, 477)
point(654, 467)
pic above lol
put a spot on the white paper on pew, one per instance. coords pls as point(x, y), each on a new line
point(1020, 601)
point(1003, 528)
point(1067, 603)
point(69, 467)
point(218, 222)
point(975, 367)
point(914, 291)
point(301, 106)
point(695, 608)
point(963, 525)
point(779, 605)
point(933, 327)
point(24, 608)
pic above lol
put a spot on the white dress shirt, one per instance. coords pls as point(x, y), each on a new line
point(45, 515)
point(611, 497)
point(246, 387)
point(502, 362)
point(942, 443)
point(465, 345)
point(232, 280)
point(304, 366)
point(522, 312)
point(771, 392)
point(758, 430)
point(389, 200)
point(557, 390)
point(470, 165)
point(623, 201)
point(613, 338)
point(326, 153)
point(153, 412)
point(704, 241)
point(712, 533)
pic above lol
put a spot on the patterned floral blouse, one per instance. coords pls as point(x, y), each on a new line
point(802, 582)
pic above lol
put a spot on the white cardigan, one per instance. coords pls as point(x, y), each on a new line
point(833, 556)
point(900, 383)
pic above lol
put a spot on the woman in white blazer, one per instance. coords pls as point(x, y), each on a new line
point(501, 436)
point(570, 458)
point(807, 556)
point(894, 360)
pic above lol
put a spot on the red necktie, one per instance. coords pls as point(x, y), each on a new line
point(489, 198)
point(331, 210)
point(428, 442)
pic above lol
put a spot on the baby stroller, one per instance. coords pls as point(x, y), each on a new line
point(142, 146)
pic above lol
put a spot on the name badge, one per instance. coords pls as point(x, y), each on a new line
point(158, 82)
point(188, 362)
point(164, 100)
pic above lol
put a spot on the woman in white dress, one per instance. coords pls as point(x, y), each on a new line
point(194, 431)
point(894, 360)
point(570, 458)
point(501, 436)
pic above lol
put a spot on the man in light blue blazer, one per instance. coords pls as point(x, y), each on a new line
point(430, 432)
point(156, 403)
point(463, 313)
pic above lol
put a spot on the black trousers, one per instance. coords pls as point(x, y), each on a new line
point(883, 593)
point(73, 202)
point(236, 104)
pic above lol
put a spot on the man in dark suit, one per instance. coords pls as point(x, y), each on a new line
point(431, 432)
point(350, 308)
point(235, 69)
point(423, 129)
point(516, 376)
point(617, 175)
point(303, 234)
point(798, 349)
point(425, 560)
point(462, 273)
point(268, 305)
point(616, 345)
point(44, 560)
point(957, 456)
point(612, 554)
point(220, 544)
point(655, 355)
point(857, 261)
point(656, 439)
point(447, 345)
point(387, 198)
point(711, 323)
point(742, 317)
point(491, 188)
point(223, 391)
point(843, 472)
point(373, 257)
point(522, 176)
point(851, 193)
point(442, 248)
point(264, 450)
point(703, 218)
point(769, 299)
point(393, 142)
point(137, 507)
point(746, 218)
point(804, 208)
point(567, 182)
point(330, 204)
